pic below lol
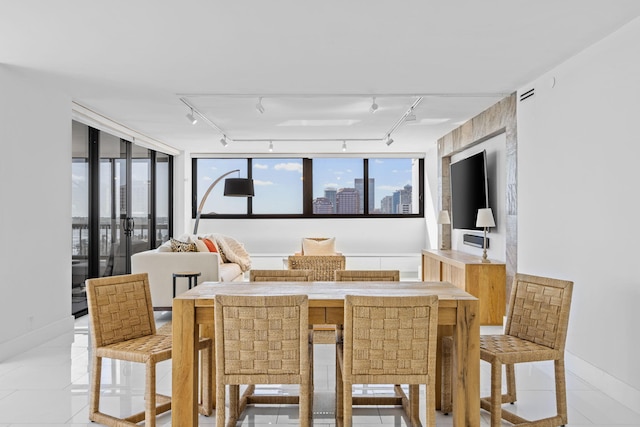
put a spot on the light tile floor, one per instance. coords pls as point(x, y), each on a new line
point(47, 386)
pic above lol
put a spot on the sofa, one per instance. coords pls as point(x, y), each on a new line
point(227, 264)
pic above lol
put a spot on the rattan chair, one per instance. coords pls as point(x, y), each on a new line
point(123, 327)
point(281, 275)
point(536, 330)
point(367, 275)
point(323, 266)
point(388, 340)
point(261, 340)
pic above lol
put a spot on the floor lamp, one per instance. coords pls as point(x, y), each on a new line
point(233, 187)
point(484, 220)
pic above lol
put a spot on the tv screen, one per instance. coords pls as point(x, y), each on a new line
point(469, 190)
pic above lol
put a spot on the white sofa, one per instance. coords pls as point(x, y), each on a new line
point(160, 267)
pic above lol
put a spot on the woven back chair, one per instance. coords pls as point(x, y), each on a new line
point(261, 340)
point(536, 330)
point(323, 266)
point(123, 327)
point(367, 275)
point(388, 340)
point(281, 276)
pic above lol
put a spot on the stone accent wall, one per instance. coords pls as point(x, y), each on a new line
point(500, 118)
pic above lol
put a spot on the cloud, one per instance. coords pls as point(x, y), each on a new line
point(260, 166)
point(262, 183)
point(290, 167)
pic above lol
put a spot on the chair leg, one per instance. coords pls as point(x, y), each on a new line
point(496, 394)
point(206, 407)
point(94, 402)
point(347, 408)
point(339, 389)
point(414, 404)
point(561, 390)
point(431, 402)
point(510, 397)
point(220, 402)
point(150, 395)
point(304, 406)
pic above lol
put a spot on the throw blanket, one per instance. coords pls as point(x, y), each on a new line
point(233, 251)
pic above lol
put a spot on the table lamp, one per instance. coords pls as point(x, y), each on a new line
point(233, 187)
point(443, 219)
point(485, 219)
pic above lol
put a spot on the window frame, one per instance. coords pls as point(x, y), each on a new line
point(307, 191)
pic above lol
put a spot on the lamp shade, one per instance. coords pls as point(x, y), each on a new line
point(485, 218)
point(443, 217)
point(238, 187)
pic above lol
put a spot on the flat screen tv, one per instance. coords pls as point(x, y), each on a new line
point(469, 190)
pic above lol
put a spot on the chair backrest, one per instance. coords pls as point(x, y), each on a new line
point(323, 266)
point(539, 310)
point(394, 337)
point(281, 275)
point(261, 339)
point(120, 308)
point(367, 275)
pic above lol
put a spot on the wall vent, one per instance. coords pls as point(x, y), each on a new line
point(527, 94)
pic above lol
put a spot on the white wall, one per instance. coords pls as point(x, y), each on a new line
point(353, 236)
point(579, 203)
point(35, 212)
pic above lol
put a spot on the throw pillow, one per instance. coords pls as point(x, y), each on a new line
point(201, 246)
point(178, 246)
point(319, 247)
point(210, 245)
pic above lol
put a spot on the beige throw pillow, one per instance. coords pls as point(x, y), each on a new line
point(319, 247)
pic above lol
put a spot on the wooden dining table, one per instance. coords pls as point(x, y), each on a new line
point(457, 315)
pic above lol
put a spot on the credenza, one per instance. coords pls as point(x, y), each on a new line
point(484, 280)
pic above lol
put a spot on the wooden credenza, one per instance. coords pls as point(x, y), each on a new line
point(485, 281)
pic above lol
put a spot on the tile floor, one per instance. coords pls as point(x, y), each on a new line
point(47, 386)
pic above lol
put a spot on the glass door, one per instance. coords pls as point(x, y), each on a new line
point(120, 205)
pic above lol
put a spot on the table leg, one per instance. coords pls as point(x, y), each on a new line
point(184, 365)
point(466, 365)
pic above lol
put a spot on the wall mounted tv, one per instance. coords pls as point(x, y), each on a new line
point(469, 190)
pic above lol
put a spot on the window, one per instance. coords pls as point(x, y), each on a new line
point(277, 185)
point(307, 188)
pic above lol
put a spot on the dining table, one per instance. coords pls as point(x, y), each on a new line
point(458, 316)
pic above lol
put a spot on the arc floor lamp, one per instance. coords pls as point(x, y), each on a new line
point(233, 187)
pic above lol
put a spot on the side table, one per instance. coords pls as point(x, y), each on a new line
point(192, 277)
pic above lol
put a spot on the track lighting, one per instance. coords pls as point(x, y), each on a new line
point(223, 141)
point(259, 106)
point(192, 118)
point(344, 145)
point(374, 106)
point(270, 146)
point(389, 140)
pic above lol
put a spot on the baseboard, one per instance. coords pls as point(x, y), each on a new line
point(35, 338)
point(604, 382)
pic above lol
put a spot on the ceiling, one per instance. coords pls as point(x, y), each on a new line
point(317, 65)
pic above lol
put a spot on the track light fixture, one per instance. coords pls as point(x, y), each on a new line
point(374, 106)
point(389, 140)
point(259, 106)
point(223, 141)
point(193, 119)
point(270, 146)
point(344, 145)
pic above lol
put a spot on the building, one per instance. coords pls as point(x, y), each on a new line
point(347, 201)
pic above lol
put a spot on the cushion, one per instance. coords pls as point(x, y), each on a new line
point(229, 272)
point(210, 244)
point(201, 246)
point(165, 247)
point(179, 246)
point(319, 247)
